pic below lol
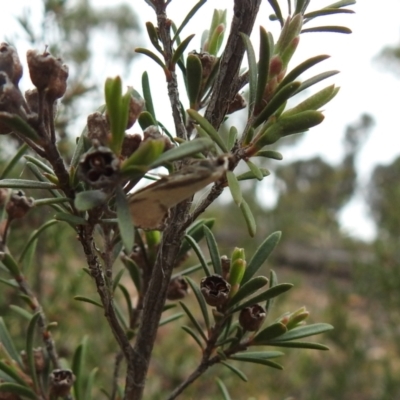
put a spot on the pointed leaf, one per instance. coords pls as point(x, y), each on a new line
point(264, 296)
point(234, 187)
point(199, 254)
point(35, 234)
point(210, 130)
point(151, 55)
point(333, 29)
point(315, 79)
point(250, 175)
point(263, 68)
point(6, 341)
point(73, 220)
point(134, 272)
point(194, 76)
point(249, 218)
point(30, 335)
point(196, 231)
point(342, 3)
point(153, 36)
point(305, 331)
point(223, 389)
point(248, 289)
point(21, 311)
point(181, 48)
point(326, 11)
point(213, 249)
point(147, 95)
point(11, 164)
point(26, 184)
point(186, 149)
point(171, 318)
point(236, 371)
point(251, 58)
point(88, 300)
point(193, 334)
point(11, 264)
point(271, 332)
point(90, 382)
point(261, 255)
point(78, 368)
point(194, 321)
point(85, 201)
point(200, 300)
point(10, 387)
point(298, 345)
point(10, 282)
point(188, 271)
point(275, 155)
point(125, 223)
point(277, 10)
point(127, 297)
point(263, 355)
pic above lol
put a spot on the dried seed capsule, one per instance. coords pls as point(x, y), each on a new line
point(18, 205)
point(215, 290)
point(61, 381)
point(10, 63)
point(251, 318)
point(177, 288)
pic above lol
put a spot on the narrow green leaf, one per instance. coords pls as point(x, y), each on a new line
point(194, 321)
point(305, 331)
point(34, 235)
point(213, 249)
point(188, 271)
point(127, 297)
point(264, 296)
point(85, 201)
point(12, 372)
point(10, 387)
point(88, 300)
point(235, 370)
point(153, 36)
point(210, 130)
point(50, 201)
point(30, 335)
point(89, 384)
point(261, 255)
point(273, 281)
point(188, 17)
point(255, 170)
point(275, 155)
point(304, 66)
point(263, 68)
point(277, 10)
point(73, 220)
point(342, 3)
point(232, 137)
point(171, 318)
point(181, 48)
point(147, 96)
point(199, 254)
point(194, 335)
point(153, 56)
point(146, 120)
point(186, 149)
point(250, 175)
point(333, 29)
point(251, 58)
point(17, 124)
point(248, 289)
point(125, 223)
point(134, 272)
point(279, 98)
point(234, 187)
point(200, 300)
point(6, 341)
point(196, 231)
point(223, 389)
point(78, 368)
point(14, 161)
point(11, 264)
point(21, 311)
point(117, 278)
point(26, 184)
point(298, 345)
point(315, 79)
point(271, 332)
point(10, 282)
point(194, 76)
point(40, 164)
point(268, 363)
point(301, 6)
point(326, 11)
point(249, 218)
point(263, 355)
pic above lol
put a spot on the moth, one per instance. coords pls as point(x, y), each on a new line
point(149, 207)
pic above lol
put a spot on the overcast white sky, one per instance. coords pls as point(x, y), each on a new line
point(365, 86)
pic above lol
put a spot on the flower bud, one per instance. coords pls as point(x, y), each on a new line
point(10, 63)
point(177, 288)
point(215, 290)
point(61, 381)
point(251, 318)
point(18, 205)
